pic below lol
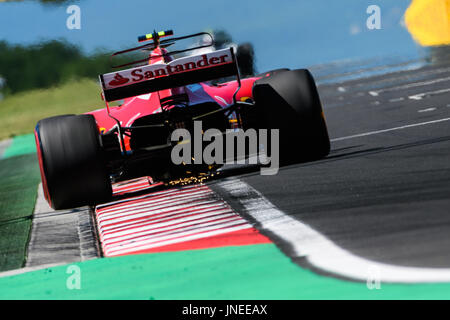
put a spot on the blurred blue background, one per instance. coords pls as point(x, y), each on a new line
point(284, 33)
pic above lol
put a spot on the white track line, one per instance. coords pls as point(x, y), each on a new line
point(396, 100)
point(427, 110)
point(390, 129)
point(400, 78)
point(409, 86)
point(420, 96)
point(319, 251)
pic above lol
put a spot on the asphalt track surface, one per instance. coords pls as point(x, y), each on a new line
point(383, 193)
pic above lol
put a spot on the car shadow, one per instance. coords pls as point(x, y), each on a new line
point(338, 154)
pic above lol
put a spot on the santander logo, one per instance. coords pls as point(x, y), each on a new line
point(158, 70)
point(118, 80)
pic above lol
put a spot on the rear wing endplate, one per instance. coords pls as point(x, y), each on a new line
point(179, 72)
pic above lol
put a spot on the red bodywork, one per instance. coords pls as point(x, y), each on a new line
point(136, 107)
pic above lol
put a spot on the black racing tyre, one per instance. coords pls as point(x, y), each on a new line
point(72, 161)
point(289, 101)
point(251, 116)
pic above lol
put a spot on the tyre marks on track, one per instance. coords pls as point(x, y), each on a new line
point(189, 217)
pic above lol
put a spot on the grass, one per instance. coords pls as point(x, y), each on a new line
point(21, 112)
point(19, 172)
point(19, 179)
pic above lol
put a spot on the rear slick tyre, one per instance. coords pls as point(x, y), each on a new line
point(289, 101)
point(72, 161)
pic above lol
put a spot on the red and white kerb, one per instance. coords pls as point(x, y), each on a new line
point(190, 217)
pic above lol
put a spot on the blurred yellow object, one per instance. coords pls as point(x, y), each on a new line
point(429, 21)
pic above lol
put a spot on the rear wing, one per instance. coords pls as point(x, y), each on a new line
point(179, 72)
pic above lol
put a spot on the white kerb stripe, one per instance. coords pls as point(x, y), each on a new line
point(321, 252)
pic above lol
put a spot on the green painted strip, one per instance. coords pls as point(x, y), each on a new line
point(21, 145)
point(19, 180)
point(245, 272)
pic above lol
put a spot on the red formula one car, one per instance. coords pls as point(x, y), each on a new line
point(81, 155)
